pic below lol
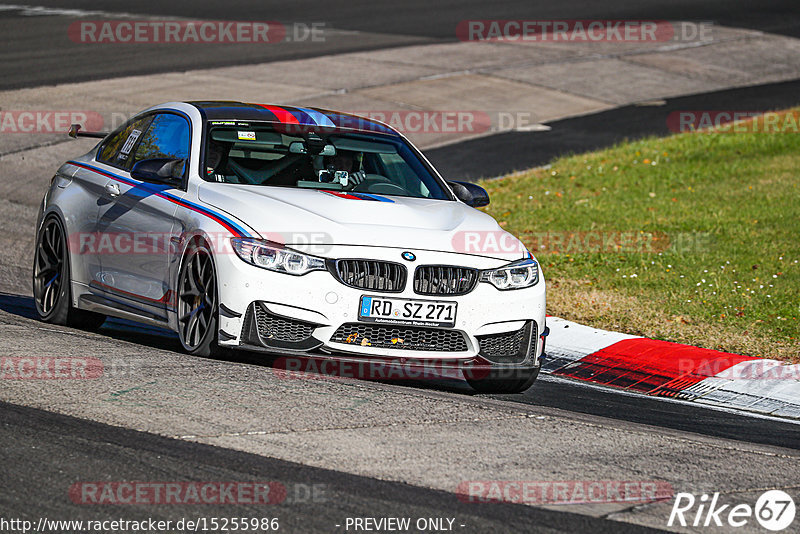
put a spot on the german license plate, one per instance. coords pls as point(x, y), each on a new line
point(407, 311)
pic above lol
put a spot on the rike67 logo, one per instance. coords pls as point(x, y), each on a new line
point(774, 510)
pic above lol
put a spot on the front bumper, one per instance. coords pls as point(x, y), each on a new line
point(315, 314)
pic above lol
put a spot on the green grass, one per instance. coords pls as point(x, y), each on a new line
point(724, 207)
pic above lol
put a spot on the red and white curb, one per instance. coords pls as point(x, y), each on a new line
point(665, 369)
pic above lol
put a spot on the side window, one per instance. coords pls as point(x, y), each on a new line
point(117, 149)
point(167, 137)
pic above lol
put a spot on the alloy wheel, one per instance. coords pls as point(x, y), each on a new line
point(197, 295)
point(48, 274)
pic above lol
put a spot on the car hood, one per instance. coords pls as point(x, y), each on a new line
point(306, 216)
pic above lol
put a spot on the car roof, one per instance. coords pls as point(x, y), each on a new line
point(310, 118)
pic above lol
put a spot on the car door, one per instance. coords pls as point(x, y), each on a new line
point(92, 179)
point(137, 220)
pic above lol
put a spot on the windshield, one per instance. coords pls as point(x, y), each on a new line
point(257, 154)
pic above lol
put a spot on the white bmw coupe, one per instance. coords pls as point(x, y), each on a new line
point(292, 231)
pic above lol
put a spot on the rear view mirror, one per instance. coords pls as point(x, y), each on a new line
point(298, 147)
point(163, 170)
point(470, 194)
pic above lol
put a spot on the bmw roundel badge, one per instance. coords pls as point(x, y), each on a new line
point(409, 256)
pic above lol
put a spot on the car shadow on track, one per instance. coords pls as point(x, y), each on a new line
point(161, 338)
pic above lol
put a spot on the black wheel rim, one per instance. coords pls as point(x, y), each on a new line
point(196, 299)
point(48, 270)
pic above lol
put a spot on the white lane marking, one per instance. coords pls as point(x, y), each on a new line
point(573, 341)
point(40, 11)
point(767, 386)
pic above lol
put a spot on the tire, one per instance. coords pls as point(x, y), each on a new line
point(197, 308)
point(52, 290)
point(504, 380)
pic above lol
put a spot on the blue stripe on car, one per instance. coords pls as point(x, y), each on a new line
point(160, 191)
point(319, 118)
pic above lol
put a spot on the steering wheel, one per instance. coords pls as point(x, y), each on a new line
point(379, 185)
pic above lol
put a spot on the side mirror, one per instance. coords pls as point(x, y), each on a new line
point(163, 170)
point(470, 194)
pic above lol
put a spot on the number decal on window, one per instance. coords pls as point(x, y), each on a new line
point(126, 148)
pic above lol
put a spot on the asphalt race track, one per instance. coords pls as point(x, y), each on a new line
point(39, 52)
point(65, 449)
point(375, 449)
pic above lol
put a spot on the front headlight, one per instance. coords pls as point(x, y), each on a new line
point(522, 273)
point(274, 257)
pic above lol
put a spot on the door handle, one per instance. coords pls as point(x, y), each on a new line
point(112, 189)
